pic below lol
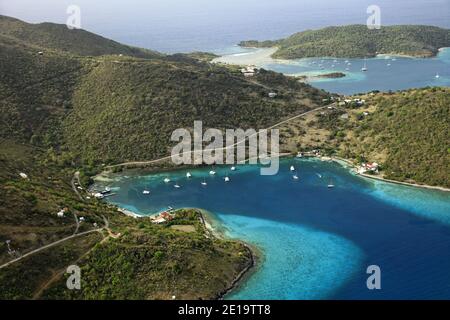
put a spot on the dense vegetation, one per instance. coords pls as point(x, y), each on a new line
point(59, 37)
point(77, 105)
point(154, 262)
point(407, 132)
point(357, 41)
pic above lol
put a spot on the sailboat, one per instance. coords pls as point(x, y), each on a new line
point(233, 168)
point(188, 175)
point(166, 180)
point(204, 182)
point(437, 76)
point(330, 184)
point(212, 172)
point(227, 179)
point(365, 66)
point(177, 186)
point(146, 192)
point(295, 176)
point(292, 168)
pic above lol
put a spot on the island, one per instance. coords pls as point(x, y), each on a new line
point(358, 41)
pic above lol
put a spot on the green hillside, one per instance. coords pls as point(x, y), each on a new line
point(59, 37)
point(357, 41)
point(406, 132)
point(65, 111)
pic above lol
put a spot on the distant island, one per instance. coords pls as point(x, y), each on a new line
point(357, 41)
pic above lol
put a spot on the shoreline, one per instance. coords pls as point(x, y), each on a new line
point(255, 253)
point(212, 225)
point(208, 221)
point(379, 55)
point(379, 178)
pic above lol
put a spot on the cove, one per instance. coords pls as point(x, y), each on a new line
point(384, 73)
point(316, 242)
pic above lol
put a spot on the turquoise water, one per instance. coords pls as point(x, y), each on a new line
point(383, 73)
point(316, 242)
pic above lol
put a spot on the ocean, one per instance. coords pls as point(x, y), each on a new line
point(316, 242)
point(211, 25)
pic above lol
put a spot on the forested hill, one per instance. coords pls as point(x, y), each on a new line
point(357, 41)
point(113, 108)
point(59, 37)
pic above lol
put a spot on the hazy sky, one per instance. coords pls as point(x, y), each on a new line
point(178, 24)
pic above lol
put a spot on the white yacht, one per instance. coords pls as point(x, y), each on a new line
point(212, 172)
point(233, 168)
point(188, 175)
point(292, 168)
point(227, 179)
point(146, 192)
point(166, 180)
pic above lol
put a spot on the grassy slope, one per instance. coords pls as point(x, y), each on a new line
point(146, 261)
point(155, 262)
point(59, 37)
point(62, 112)
point(358, 41)
point(407, 132)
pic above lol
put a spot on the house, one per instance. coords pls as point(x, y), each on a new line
point(249, 71)
point(344, 116)
point(342, 103)
point(272, 94)
point(159, 220)
point(41, 53)
point(368, 167)
point(98, 195)
point(61, 213)
point(23, 175)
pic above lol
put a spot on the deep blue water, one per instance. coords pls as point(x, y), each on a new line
point(212, 25)
point(317, 242)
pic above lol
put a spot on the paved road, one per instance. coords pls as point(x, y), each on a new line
point(48, 246)
point(76, 178)
point(224, 148)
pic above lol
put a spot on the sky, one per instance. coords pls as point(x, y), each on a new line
point(180, 25)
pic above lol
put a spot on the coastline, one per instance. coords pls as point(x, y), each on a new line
point(210, 225)
point(255, 253)
point(348, 163)
point(213, 228)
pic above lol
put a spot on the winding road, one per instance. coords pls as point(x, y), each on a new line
point(140, 163)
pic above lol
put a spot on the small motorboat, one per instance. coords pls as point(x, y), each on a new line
point(233, 168)
point(146, 192)
point(212, 172)
point(292, 168)
point(188, 175)
point(166, 180)
point(177, 186)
